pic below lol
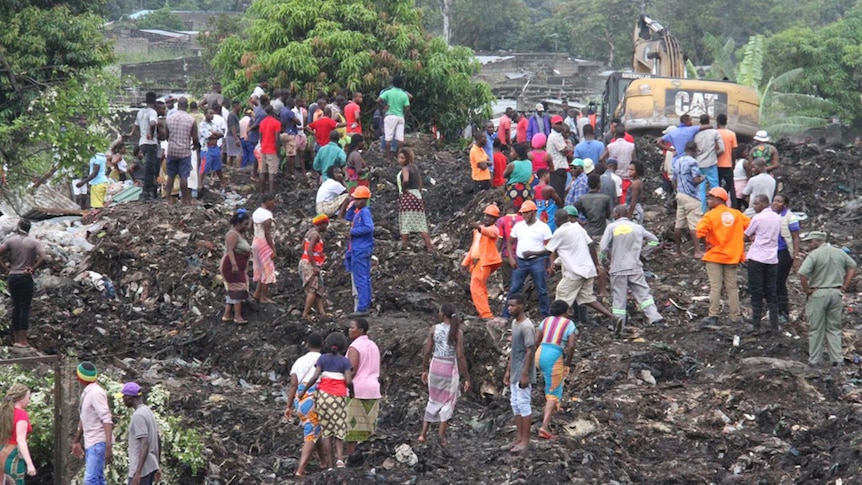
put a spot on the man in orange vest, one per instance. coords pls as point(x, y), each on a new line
point(723, 228)
point(482, 259)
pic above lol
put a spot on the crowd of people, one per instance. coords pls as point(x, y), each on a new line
point(570, 203)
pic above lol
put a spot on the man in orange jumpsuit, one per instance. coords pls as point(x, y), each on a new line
point(482, 259)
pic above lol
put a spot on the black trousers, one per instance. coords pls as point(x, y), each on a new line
point(151, 171)
point(725, 179)
point(558, 182)
point(481, 185)
point(785, 262)
point(761, 284)
point(21, 288)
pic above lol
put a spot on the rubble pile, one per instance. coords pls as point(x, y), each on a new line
point(680, 404)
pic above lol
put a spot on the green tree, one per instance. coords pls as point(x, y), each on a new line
point(51, 86)
point(162, 18)
point(358, 46)
point(832, 60)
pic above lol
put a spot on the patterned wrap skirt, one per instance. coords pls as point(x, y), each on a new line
point(411, 212)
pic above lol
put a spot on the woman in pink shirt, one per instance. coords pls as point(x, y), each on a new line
point(363, 407)
point(15, 461)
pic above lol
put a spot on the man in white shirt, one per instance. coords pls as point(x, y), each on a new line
point(332, 196)
point(580, 263)
point(146, 126)
point(559, 151)
point(530, 235)
point(709, 147)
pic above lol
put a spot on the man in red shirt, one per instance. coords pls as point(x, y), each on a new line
point(322, 127)
point(351, 115)
point(522, 124)
point(500, 162)
point(270, 128)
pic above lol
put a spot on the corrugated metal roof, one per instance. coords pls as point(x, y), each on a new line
point(47, 201)
point(166, 33)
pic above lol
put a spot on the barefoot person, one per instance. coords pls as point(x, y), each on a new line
point(26, 255)
point(234, 267)
point(554, 360)
point(363, 407)
point(263, 249)
point(521, 372)
point(15, 460)
point(311, 264)
point(444, 348)
point(300, 374)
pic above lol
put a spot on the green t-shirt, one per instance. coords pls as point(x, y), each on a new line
point(396, 99)
point(521, 172)
point(825, 267)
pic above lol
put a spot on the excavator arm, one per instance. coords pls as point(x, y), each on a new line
point(656, 51)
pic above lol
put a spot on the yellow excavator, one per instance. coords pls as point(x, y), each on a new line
point(656, 92)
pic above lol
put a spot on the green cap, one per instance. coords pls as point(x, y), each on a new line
point(571, 210)
point(814, 235)
point(577, 162)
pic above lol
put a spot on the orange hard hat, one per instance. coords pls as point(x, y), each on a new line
point(492, 210)
point(718, 193)
point(528, 206)
point(362, 192)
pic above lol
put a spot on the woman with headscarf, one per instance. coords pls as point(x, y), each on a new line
point(363, 407)
point(263, 248)
point(14, 428)
point(234, 266)
point(444, 350)
point(411, 207)
point(300, 375)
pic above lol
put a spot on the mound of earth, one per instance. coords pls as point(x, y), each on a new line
point(680, 404)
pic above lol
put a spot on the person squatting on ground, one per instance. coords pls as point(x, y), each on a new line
point(300, 376)
point(623, 242)
point(520, 372)
point(763, 232)
point(26, 255)
point(335, 373)
point(263, 249)
point(363, 405)
point(311, 267)
point(483, 259)
point(527, 241)
point(723, 228)
point(443, 357)
point(234, 266)
point(825, 275)
point(15, 459)
point(357, 258)
point(554, 359)
point(95, 426)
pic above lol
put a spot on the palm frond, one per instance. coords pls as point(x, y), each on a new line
point(750, 71)
point(783, 80)
point(793, 125)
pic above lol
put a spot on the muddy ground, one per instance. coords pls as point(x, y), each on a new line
point(665, 405)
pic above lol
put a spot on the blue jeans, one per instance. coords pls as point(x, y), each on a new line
point(711, 176)
point(94, 465)
point(536, 269)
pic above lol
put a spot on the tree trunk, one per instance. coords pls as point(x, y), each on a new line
point(446, 8)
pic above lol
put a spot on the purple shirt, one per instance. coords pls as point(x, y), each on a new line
point(365, 381)
point(765, 229)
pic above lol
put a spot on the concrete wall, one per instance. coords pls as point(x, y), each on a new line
point(172, 75)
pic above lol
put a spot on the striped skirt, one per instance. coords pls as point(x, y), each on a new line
point(443, 389)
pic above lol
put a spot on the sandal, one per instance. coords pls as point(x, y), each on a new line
point(545, 435)
point(240, 321)
point(339, 464)
point(226, 319)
